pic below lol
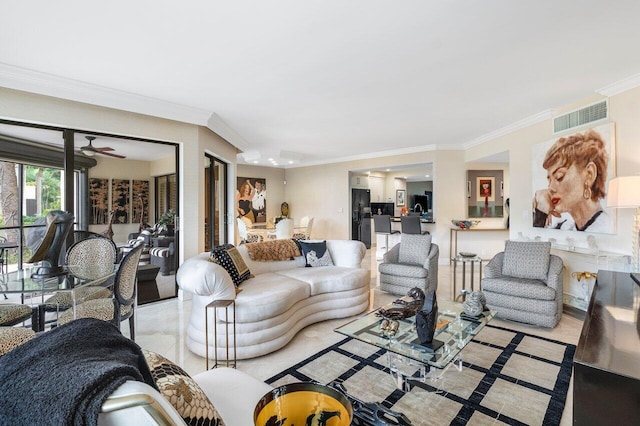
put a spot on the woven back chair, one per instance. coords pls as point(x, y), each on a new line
point(97, 254)
point(121, 305)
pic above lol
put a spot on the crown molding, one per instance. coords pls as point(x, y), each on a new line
point(50, 85)
point(620, 86)
point(371, 155)
point(526, 122)
point(222, 129)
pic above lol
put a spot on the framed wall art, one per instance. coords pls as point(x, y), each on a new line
point(140, 200)
point(485, 195)
point(99, 199)
point(400, 197)
point(120, 200)
point(570, 175)
point(251, 199)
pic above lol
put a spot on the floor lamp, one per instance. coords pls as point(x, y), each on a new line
point(624, 192)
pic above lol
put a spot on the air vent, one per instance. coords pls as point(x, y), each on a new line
point(580, 117)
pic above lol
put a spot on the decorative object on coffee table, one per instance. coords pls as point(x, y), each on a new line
point(405, 307)
point(389, 327)
point(475, 304)
point(303, 403)
point(426, 320)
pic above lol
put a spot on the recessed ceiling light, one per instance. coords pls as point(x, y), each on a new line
point(290, 161)
point(387, 170)
point(426, 175)
point(255, 161)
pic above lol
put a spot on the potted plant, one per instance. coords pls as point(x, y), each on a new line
point(167, 222)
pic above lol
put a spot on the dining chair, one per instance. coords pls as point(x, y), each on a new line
point(245, 235)
point(411, 225)
point(59, 224)
point(120, 306)
point(304, 232)
point(12, 314)
point(382, 226)
point(10, 337)
point(95, 251)
point(284, 229)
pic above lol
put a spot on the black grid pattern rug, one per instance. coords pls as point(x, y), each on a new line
point(507, 377)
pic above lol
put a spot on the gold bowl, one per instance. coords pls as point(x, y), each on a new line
point(303, 403)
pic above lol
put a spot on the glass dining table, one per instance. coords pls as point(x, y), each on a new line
point(35, 291)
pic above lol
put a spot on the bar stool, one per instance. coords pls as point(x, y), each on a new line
point(411, 225)
point(382, 226)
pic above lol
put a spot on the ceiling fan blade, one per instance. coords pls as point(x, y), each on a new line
point(106, 148)
point(112, 155)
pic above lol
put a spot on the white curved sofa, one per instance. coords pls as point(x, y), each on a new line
point(282, 298)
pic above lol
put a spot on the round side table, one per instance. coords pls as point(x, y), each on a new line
point(464, 260)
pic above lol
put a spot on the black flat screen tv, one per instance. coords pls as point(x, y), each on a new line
point(382, 208)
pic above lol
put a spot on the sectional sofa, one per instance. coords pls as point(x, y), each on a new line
point(281, 298)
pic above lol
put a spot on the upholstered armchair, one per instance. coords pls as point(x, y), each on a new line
point(411, 263)
point(524, 283)
point(165, 258)
point(143, 237)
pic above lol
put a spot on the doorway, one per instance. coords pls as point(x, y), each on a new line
point(215, 197)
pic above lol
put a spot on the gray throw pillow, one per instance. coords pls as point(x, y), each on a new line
point(414, 248)
point(526, 259)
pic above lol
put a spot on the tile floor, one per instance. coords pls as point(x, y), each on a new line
point(161, 327)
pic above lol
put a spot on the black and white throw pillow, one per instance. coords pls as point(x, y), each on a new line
point(230, 259)
point(315, 253)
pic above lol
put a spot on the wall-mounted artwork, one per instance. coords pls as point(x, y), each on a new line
point(120, 200)
point(251, 199)
point(99, 199)
point(485, 197)
point(140, 200)
point(400, 197)
point(570, 176)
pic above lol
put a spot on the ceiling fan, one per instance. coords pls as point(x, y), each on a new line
point(90, 150)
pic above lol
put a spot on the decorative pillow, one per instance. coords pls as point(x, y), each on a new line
point(414, 248)
point(526, 259)
point(182, 391)
point(230, 259)
point(315, 253)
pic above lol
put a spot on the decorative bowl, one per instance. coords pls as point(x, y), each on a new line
point(465, 224)
point(303, 403)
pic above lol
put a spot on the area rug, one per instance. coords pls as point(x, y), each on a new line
point(507, 377)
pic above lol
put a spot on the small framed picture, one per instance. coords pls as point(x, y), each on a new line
point(400, 197)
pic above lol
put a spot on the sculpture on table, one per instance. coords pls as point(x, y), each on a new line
point(405, 307)
point(475, 304)
point(426, 321)
point(108, 232)
point(284, 209)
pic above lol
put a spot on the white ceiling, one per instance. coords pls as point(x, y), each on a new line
point(327, 79)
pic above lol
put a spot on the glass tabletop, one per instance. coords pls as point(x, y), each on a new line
point(453, 330)
point(77, 275)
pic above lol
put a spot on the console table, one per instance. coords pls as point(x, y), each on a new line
point(606, 367)
point(453, 238)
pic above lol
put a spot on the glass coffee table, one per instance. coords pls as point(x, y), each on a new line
point(406, 355)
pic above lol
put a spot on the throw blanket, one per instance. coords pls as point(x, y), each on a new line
point(63, 376)
point(273, 250)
